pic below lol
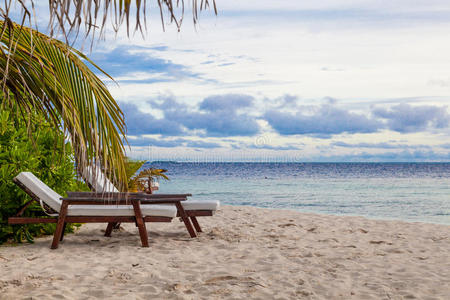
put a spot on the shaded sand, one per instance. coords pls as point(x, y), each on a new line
point(244, 252)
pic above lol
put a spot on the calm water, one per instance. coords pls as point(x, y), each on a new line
point(406, 191)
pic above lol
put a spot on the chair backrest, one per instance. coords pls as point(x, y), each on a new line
point(98, 181)
point(40, 190)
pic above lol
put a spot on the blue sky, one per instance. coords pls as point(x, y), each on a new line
point(288, 81)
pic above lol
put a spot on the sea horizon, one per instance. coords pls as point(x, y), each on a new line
point(297, 162)
point(407, 191)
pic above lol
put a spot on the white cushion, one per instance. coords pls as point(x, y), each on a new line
point(121, 210)
point(201, 205)
point(99, 182)
point(40, 189)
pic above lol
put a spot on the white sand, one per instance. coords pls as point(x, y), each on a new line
point(244, 252)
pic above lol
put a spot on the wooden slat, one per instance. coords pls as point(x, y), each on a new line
point(96, 201)
point(198, 213)
point(117, 219)
point(30, 220)
point(86, 219)
point(124, 195)
point(23, 207)
point(157, 219)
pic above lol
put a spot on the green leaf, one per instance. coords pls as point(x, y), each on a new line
point(46, 76)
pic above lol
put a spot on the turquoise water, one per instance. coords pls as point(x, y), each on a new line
point(405, 191)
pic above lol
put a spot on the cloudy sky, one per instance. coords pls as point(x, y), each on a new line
point(343, 80)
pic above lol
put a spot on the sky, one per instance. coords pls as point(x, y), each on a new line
point(289, 81)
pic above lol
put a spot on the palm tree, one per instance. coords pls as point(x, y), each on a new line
point(46, 75)
point(40, 73)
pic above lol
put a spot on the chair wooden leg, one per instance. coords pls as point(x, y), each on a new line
point(185, 218)
point(196, 225)
point(63, 231)
point(109, 228)
point(59, 225)
point(140, 223)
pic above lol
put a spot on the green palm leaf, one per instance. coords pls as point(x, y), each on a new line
point(43, 74)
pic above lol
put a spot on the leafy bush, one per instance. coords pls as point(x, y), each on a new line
point(37, 148)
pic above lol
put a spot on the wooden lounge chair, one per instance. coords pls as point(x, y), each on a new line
point(194, 209)
point(87, 207)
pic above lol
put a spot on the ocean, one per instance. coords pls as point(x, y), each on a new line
point(418, 192)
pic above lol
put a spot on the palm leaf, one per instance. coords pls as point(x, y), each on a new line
point(135, 183)
point(68, 17)
point(43, 74)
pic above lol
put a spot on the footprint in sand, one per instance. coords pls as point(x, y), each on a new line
point(220, 278)
point(286, 225)
point(380, 242)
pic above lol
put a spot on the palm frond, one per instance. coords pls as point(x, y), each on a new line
point(93, 16)
point(136, 183)
point(153, 173)
point(132, 166)
point(43, 74)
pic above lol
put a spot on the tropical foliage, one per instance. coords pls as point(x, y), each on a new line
point(136, 182)
point(44, 75)
point(68, 17)
point(142, 181)
point(131, 167)
point(38, 148)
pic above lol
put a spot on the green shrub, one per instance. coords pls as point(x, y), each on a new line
point(37, 148)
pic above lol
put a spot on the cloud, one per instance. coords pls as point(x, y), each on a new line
point(402, 156)
point(318, 12)
point(145, 141)
point(322, 121)
point(229, 102)
point(226, 64)
point(239, 118)
point(160, 48)
point(326, 120)
point(405, 156)
point(406, 118)
point(125, 60)
point(139, 122)
point(270, 147)
point(201, 144)
point(230, 115)
point(216, 116)
point(285, 101)
point(164, 143)
point(382, 145)
point(445, 146)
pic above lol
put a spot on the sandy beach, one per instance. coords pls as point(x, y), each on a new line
point(244, 252)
